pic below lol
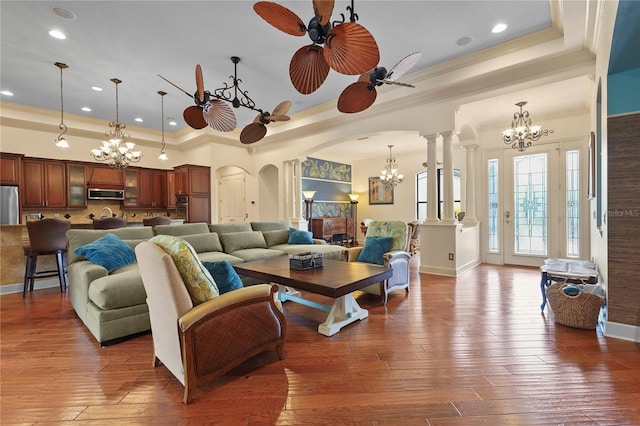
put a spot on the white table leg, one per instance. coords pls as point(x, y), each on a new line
point(345, 310)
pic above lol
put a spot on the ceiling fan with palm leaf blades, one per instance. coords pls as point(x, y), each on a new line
point(212, 109)
point(346, 47)
point(362, 94)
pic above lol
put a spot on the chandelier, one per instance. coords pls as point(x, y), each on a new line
point(522, 133)
point(390, 176)
point(117, 152)
point(163, 155)
point(61, 141)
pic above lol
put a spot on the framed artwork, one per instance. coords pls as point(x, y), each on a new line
point(379, 193)
point(591, 184)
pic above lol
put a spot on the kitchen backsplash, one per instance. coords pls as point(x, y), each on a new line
point(98, 209)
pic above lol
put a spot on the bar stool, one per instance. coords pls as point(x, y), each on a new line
point(158, 220)
point(109, 223)
point(46, 237)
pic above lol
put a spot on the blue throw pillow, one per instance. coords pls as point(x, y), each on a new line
point(374, 248)
point(224, 275)
point(109, 252)
point(299, 236)
point(571, 290)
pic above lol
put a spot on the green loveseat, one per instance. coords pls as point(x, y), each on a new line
point(113, 305)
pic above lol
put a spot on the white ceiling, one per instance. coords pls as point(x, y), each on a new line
point(137, 40)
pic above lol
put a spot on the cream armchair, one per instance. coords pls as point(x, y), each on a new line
point(200, 343)
point(397, 258)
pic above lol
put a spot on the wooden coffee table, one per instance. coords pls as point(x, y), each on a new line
point(336, 279)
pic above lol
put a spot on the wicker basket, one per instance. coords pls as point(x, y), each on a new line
point(580, 311)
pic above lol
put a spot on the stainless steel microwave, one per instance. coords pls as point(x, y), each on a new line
point(105, 194)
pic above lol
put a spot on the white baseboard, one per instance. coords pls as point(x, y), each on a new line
point(38, 284)
point(623, 331)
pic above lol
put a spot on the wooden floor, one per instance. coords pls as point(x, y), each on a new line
point(469, 351)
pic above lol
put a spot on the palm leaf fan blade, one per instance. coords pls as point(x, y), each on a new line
point(193, 117)
point(351, 49)
point(280, 17)
point(219, 116)
point(253, 133)
point(199, 83)
point(404, 65)
point(357, 97)
point(323, 10)
point(282, 108)
point(308, 69)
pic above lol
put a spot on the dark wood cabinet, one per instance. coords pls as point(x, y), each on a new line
point(104, 177)
point(44, 184)
point(199, 209)
point(194, 182)
point(152, 188)
point(76, 185)
point(331, 228)
point(176, 185)
point(10, 169)
point(199, 180)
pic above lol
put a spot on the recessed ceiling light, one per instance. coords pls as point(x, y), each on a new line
point(499, 28)
point(463, 41)
point(86, 109)
point(57, 34)
point(173, 123)
point(63, 13)
point(7, 93)
point(96, 88)
point(138, 119)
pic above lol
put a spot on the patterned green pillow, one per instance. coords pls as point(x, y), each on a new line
point(196, 277)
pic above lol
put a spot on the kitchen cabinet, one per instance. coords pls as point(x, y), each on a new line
point(104, 177)
point(199, 209)
point(199, 180)
point(176, 185)
point(152, 186)
point(10, 169)
point(130, 188)
point(76, 186)
point(192, 179)
point(44, 184)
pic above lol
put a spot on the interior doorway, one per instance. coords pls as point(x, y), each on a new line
point(232, 198)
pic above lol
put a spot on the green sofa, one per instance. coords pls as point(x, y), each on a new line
point(113, 306)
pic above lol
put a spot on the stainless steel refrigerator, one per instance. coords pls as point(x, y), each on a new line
point(9, 205)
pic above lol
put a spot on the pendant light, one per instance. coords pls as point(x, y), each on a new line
point(61, 141)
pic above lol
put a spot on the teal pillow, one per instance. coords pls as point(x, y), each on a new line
point(226, 278)
point(374, 248)
point(299, 236)
point(571, 290)
point(109, 252)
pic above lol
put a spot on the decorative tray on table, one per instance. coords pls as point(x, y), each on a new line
point(303, 261)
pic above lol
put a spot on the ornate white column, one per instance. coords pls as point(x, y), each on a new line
point(470, 198)
point(291, 173)
point(432, 180)
point(447, 179)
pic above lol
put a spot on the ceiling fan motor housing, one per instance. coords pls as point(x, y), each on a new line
point(377, 75)
point(317, 32)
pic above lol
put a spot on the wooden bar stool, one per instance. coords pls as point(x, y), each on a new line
point(158, 220)
point(109, 223)
point(46, 237)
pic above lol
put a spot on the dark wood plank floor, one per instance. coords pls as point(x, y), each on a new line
point(475, 350)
